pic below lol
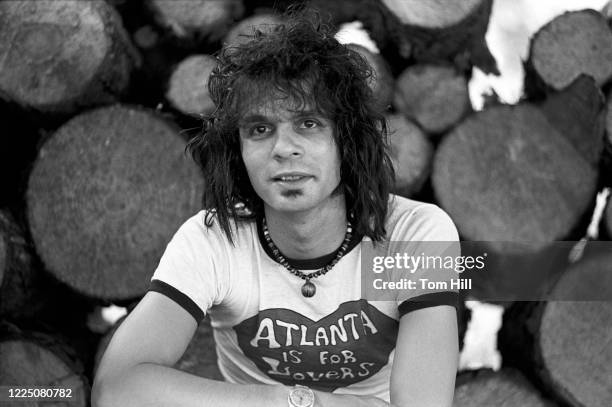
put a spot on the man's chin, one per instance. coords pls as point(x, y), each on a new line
point(290, 203)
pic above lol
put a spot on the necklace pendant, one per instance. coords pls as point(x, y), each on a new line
point(308, 289)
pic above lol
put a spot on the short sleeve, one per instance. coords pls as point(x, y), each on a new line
point(430, 237)
point(188, 270)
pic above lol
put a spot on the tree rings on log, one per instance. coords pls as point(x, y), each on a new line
point(436, 97)
point(244, 31)
point(40, 360)
point(505, 174)
point(196, 19)
point(574, 43)
point(188, 86)
point(200, 357)
point(106, 194)
point(565, 344)
point(411, 153)
point(57, 56)
point(506, 388)
point(381, 82)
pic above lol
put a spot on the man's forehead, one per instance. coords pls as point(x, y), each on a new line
point(278, 107)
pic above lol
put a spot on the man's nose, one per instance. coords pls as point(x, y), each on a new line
point(286, 142)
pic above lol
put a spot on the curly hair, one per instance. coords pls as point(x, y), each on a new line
point(301, 60)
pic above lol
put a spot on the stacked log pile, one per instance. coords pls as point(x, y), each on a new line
point(563, 345)
point(109, 91)
point(38, 359)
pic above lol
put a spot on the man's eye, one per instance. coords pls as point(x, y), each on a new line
point(259, 130)
point(310, 124)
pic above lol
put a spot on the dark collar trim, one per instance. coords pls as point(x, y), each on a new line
point(306, 264)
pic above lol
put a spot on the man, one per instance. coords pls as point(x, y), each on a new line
point(298, 180)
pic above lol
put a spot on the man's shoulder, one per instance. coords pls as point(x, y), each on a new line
point(401, 207)
point(205, 225)
point(417, 219)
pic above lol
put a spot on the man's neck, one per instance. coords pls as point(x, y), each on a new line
point(307, 235)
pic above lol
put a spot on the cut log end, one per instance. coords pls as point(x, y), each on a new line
point(145, 37)
point(411, 153)
point(578, 42)
point(381, 81)
point(106, 193)
point(61, 55)
point(436, 97)
point(495, 176)
point(580, 331)
point(432, 14)
point(563, 344)
point(197, 19)
point(42, 363)
point(244, 31)
point(188, 87)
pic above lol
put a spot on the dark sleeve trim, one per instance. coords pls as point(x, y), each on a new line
point(181, 299)
point(429, 300)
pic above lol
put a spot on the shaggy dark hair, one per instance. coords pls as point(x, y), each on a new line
point(302, 61)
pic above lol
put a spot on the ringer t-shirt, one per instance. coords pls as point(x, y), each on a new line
point(267, 332)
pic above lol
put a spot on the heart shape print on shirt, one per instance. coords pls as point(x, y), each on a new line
point(345, 347)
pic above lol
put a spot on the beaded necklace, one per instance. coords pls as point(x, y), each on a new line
point(308, 289)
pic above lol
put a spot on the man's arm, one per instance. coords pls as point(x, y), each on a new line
point(136, 367)
point(426, 358)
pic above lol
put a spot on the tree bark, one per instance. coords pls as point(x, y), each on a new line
point(19, 274)
point(440, 30)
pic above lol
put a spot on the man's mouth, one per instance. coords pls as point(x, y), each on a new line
point(291, 178)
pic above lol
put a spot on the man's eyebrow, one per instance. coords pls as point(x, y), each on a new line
point(252, 118)
point(302, 113)
point(295, 114)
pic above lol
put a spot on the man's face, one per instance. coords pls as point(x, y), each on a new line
point(290, 155)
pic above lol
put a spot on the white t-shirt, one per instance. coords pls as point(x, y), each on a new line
point(266, 332)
